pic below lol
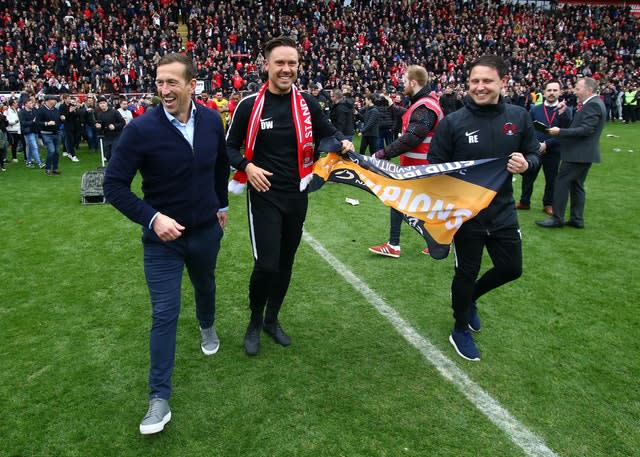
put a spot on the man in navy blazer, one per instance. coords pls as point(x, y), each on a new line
point(180, 150)
point(580, 147)
point(547, 113)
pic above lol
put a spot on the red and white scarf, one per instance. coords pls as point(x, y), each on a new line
point(304, 134)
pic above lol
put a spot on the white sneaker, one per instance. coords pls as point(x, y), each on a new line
point(66, 154)
point(75, 159)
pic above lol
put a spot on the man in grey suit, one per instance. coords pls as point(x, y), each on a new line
point(580, 148)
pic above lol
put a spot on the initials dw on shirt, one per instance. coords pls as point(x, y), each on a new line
point(472, 136)
point(266, 124)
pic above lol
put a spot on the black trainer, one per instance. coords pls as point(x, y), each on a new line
point(275, 331)
point(252, 339)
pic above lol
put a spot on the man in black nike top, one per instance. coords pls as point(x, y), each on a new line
point(485, 127)
point(278, 127)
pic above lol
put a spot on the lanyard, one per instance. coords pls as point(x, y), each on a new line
point(546, 114)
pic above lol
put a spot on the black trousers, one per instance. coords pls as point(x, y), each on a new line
point(549, 164)
point(15, 139)
point(505, 250)
point(275, 228)
point(368, 141)
point(570, 182)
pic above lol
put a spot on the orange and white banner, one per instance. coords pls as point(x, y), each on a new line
point(435, 199)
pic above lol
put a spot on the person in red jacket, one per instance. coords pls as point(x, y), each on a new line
point(237, 80)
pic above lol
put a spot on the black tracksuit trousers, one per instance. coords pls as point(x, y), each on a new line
point(275, 228)
point(505, 250)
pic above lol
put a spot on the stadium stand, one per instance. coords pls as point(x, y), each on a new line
point(51, 46)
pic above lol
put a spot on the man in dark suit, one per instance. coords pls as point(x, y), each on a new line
point(580, 148)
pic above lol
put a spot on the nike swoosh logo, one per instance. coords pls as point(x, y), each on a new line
point(471, 133)
point(267, 119)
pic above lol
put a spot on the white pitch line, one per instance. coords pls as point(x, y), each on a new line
point(530, 443)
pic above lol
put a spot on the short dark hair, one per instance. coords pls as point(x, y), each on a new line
point(189, 67)
point(279, 41)
point(553, 81)
point(491, 61)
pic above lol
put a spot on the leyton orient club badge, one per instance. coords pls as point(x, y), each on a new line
point(509, 129)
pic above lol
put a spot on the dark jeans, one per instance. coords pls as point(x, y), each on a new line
point(15, 139)
point(108, 145)
point(549, 164)
point(368, 141)
point(52, 143)
point(91, 136)
point(70, 141)
point(505, 250)
point(385, 138)
point(164, 263)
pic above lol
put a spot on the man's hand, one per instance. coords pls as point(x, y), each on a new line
point(166, 228)
point(379, 154)
point(346, 146)
point(257, 177)
point(517, 163)
point(543, 148)
point(222, 218)
point(554, 131)
point(562, 107)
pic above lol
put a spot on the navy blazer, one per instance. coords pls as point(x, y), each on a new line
point(188, 184)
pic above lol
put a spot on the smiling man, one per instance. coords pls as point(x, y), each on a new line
point(179, 150)
point(486, 127)
point(278, 128)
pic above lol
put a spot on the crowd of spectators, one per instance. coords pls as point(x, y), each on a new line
point(112, 47)
point(76, 46)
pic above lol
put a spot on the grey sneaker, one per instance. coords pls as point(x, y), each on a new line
point(157, 416)
point(209, 341)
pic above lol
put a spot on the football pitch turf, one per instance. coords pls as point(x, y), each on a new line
point(370, 371)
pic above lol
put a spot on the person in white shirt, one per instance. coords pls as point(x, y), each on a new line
point(124, 111)
point(13, 128)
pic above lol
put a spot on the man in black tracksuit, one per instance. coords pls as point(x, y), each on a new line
point(370, 116)
point(108, 125)
point(485, 127)
point(48, 123)
point(276, 196)
point(342, 113)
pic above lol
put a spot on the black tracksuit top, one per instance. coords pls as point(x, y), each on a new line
point(483, 132)
point(276, 147)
